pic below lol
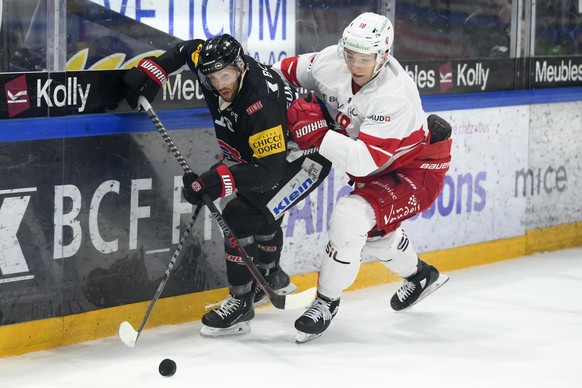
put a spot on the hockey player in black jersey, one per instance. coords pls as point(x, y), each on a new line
point(262, 166)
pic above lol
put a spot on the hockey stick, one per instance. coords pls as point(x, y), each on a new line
point(290, 301)
point(126, 333)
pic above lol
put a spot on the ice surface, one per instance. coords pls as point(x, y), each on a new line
point(516, 323)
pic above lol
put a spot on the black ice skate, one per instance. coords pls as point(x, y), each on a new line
point(279, 281)
point(418, 286)
point(316, 319)
point(230, 318)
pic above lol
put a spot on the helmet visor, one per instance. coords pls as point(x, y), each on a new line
point(219, 79)
point(353, 58)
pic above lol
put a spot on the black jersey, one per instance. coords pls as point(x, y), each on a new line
point(252, 130)
point(252, 134)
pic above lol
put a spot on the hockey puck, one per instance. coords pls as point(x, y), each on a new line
point(167, 367)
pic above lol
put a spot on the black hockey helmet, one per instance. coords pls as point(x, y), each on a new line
point(220, 52)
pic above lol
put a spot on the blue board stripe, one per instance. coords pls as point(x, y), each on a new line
point(499, 99)
point(124, 123)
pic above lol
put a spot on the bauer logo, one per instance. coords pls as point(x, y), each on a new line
point(17, 99)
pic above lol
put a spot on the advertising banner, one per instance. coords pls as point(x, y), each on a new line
point(25, 95)
point(551, 72)
point(478, 202)
point(92, 222)
point(552, 180)
point(270, 23)
point(462, 76)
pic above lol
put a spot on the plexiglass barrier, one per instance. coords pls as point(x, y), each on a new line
point(53, 35)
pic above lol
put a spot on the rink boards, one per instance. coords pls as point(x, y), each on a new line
point(91, 217)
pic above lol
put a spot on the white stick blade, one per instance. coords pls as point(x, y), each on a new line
point(300, 300)
point(127, 334)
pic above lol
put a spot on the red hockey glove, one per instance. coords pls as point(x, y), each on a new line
point(306, 123)
point(217, 182)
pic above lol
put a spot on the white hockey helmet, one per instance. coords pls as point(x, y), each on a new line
point(369, 33)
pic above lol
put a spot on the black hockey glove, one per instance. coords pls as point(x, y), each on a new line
point(439, 128)
point(144, 80)
point(217, 182)
point(151, 74)
point(190, 51)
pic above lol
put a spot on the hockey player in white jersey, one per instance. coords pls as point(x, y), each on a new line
point(382, 139)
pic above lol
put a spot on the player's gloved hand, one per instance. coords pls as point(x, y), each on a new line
point(190, 51)
point(144, 80)
point(217, 182)
point(331, 123)
point(306, 123)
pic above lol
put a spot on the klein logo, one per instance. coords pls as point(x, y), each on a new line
point(446, 77)
point(17, 96)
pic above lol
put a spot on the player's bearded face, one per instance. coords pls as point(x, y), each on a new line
point(225, 82)
point(361, 66)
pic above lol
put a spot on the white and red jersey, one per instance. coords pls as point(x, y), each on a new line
point(384, 119)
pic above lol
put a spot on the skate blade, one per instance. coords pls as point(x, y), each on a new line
point(302, 337)
point(282, 291)
point(430, 289)
point(236, 329)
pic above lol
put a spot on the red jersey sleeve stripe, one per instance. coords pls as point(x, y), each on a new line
point(289, 69)
point(382, 150)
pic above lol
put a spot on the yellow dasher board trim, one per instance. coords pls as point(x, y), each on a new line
point(49, 333)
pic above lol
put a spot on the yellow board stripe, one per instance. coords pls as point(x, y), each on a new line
point(50, 333)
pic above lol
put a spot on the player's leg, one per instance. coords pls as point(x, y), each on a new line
point(396, 198)
point(352, 218)
point(396, 252)
point(233, 314)
point(269, 245)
